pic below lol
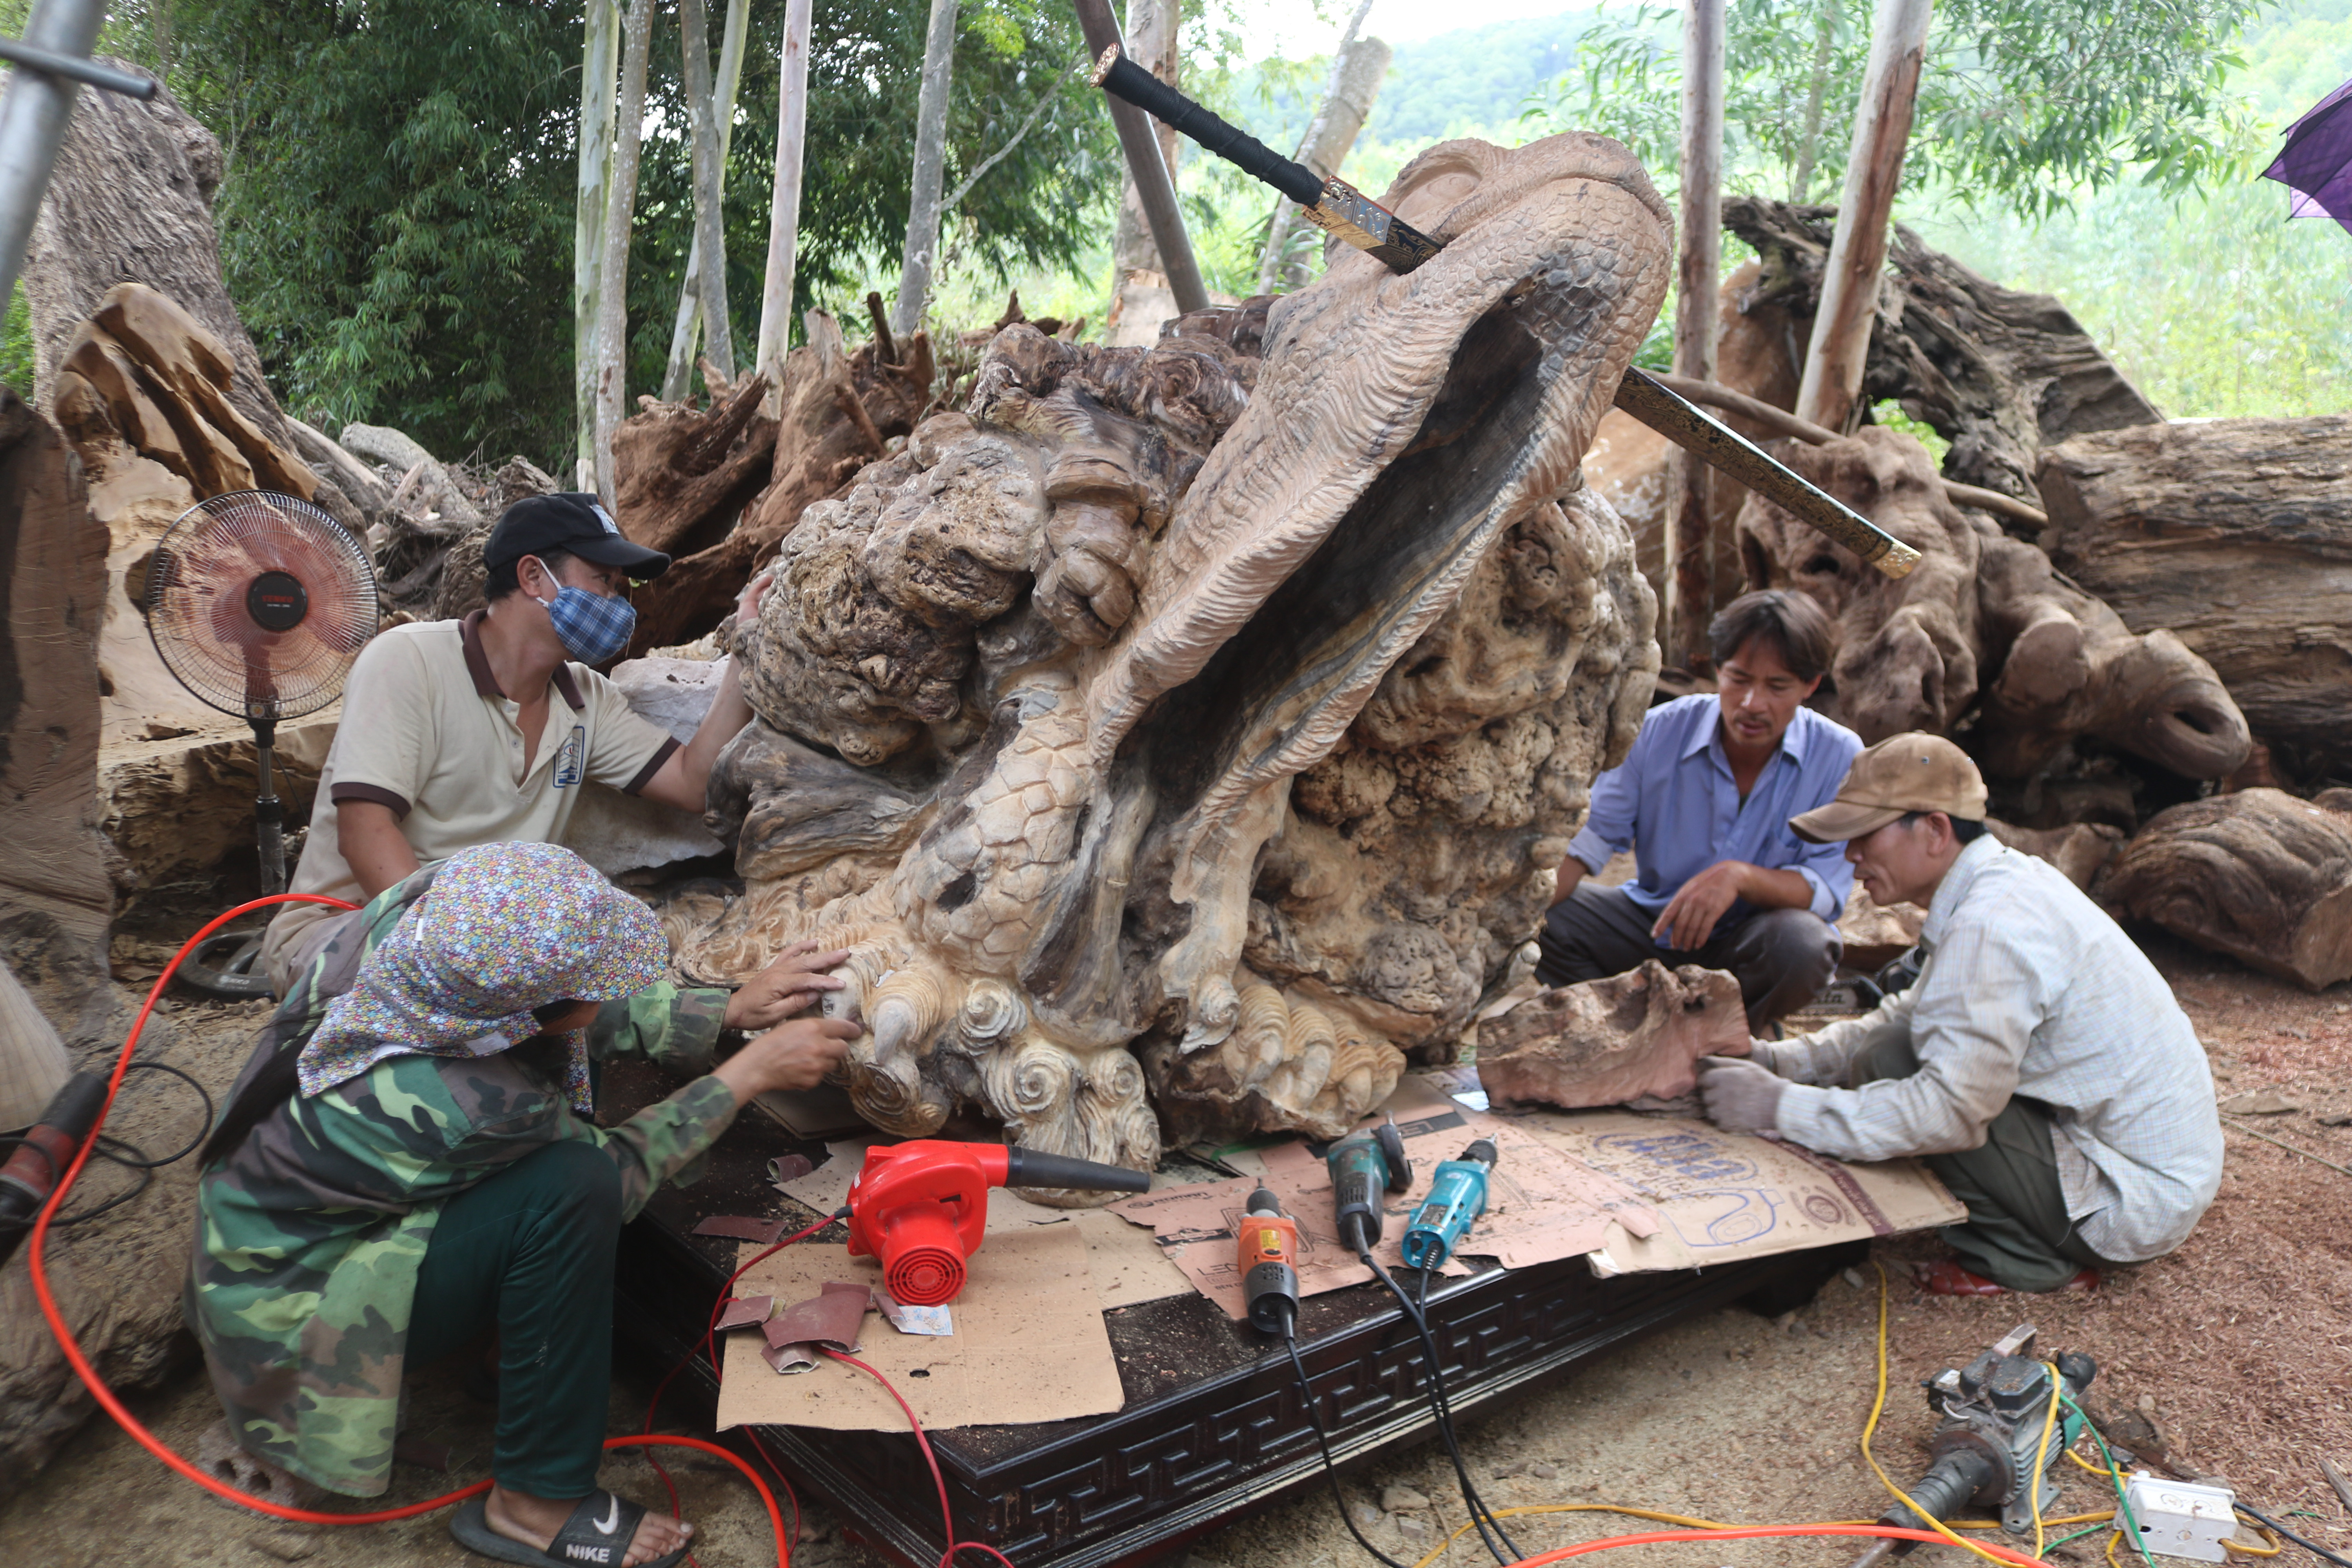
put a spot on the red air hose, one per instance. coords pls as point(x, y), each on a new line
point(147, 1440)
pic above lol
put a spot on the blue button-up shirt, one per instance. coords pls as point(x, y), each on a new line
point(1675, 802)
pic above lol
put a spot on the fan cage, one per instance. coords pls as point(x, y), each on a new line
point(202, 592)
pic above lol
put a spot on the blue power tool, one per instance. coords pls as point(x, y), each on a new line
point(1457, 1197)
point(1362, 1164)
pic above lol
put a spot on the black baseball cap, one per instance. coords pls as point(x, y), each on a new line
point(576, 525)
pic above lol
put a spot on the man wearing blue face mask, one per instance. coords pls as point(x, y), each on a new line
point(457, 733)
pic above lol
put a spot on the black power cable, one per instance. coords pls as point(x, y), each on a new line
point(1481, 1516)
point(2311, 1546)
point(1330, 1472)
point(129, 1156)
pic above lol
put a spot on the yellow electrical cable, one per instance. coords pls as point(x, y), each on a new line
point(2272, 1550)
point(1878, 1404)
point(2097, 1471)
point(2041, 1455)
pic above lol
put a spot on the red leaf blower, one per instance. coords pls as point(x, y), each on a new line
point(922, 1207)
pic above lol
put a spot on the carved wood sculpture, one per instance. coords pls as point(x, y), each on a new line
point(2237, 535)
point(1604, 1042)
point(840, 409)
point(2259, 875)
point(1174, 725)
point(1983, 623)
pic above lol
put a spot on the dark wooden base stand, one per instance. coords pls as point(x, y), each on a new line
point(1213, 1425)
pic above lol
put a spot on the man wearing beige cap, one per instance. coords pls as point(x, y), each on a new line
point(2039, 1063)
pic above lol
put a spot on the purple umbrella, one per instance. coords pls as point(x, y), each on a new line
point(2315, 166)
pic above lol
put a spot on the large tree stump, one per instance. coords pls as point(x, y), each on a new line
point(54, 896)
point(2259, 875)
point(131, 202)
point(2237, 535)
point(683, 475)
point(839, 409)
point(1998, 373)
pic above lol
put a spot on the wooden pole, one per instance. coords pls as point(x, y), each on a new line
point(598, 61)
point(1151, 41)
point(1699, 281)
point(686, 330)
point(613, 269)
point(1874, 172)
point(709, 183)
point(921, 250)
point(1155, 186)
point(784, 209)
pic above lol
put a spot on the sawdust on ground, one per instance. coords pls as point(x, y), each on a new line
point(2240, 1345)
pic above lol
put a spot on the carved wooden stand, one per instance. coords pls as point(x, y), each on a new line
point(1213, 1426)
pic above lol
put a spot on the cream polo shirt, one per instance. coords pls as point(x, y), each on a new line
point(427, 732)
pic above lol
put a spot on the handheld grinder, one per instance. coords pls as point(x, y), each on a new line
point(1267, 1252)
point(33, 1171)
point(922, 1206)
point(1362, 1164)
point(1986, 1449)
point(1457, 1197)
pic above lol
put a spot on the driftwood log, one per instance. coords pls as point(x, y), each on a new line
point(2259, 875)
point(55, 895)
point(1604, 1042)
point(841, 409)
point(1982, 626)
point(681, 475)
point(2236, 534)
point(1189, 728)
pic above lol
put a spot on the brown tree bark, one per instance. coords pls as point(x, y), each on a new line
point(682, 474)
point(131, 202)
point(819, 446)
point(2259, 875)
point(2236, 534)
point(55, 895)
point(1997, 372)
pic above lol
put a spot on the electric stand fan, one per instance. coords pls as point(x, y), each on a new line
point(258, 603)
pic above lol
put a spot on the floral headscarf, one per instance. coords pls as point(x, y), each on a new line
point(505, 928)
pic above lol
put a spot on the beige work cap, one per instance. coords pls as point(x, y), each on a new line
point(1902, 774)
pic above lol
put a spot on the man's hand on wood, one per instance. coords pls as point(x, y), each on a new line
point(797, 978)
point(1691, 916)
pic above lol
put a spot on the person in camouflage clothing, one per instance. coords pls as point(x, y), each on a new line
point(409, 1162)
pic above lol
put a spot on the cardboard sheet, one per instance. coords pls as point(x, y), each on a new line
point(1028, 1286)
point(1542, 1204)
point(1127, 1266)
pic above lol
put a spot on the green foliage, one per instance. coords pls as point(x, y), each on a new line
point(17, 344)
point(2023, 104)
point(1472, 78)
point(397, 218)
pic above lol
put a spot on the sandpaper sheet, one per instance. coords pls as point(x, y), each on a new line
point(1725, 1198)
point(1127, 1267)
point(1541, 1204)
point(1029, 1345)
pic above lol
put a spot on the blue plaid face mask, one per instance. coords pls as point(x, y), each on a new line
point(591, 628)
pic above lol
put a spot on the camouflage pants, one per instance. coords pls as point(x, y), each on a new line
point(529, 1253)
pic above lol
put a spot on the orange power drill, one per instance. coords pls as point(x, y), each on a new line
point(1267, 1256)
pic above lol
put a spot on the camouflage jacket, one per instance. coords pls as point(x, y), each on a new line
point(308, 1236)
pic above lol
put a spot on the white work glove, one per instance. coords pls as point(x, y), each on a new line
point(1740, 1096)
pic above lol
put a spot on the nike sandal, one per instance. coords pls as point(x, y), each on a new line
point(597, 1535)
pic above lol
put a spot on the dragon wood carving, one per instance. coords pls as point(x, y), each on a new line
point(1185, 735)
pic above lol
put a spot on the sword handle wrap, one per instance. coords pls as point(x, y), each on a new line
point(1116, 74)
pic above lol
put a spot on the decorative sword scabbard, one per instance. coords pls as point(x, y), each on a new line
point(1333, 205)
point(1340, 209)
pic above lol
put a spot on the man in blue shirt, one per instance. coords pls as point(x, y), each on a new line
point(1704, 801)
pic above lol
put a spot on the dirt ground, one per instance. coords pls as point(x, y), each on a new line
point(2240, 1346)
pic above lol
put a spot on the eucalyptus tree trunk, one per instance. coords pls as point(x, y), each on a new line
point(1874, 172)
point(784, 206)
point(1338, 104)
point(613, 270)
point(596, 66)
point(1809, 145)
point(921, 251)
point(709, 183)
point(686, 334)
point(1699, 270)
